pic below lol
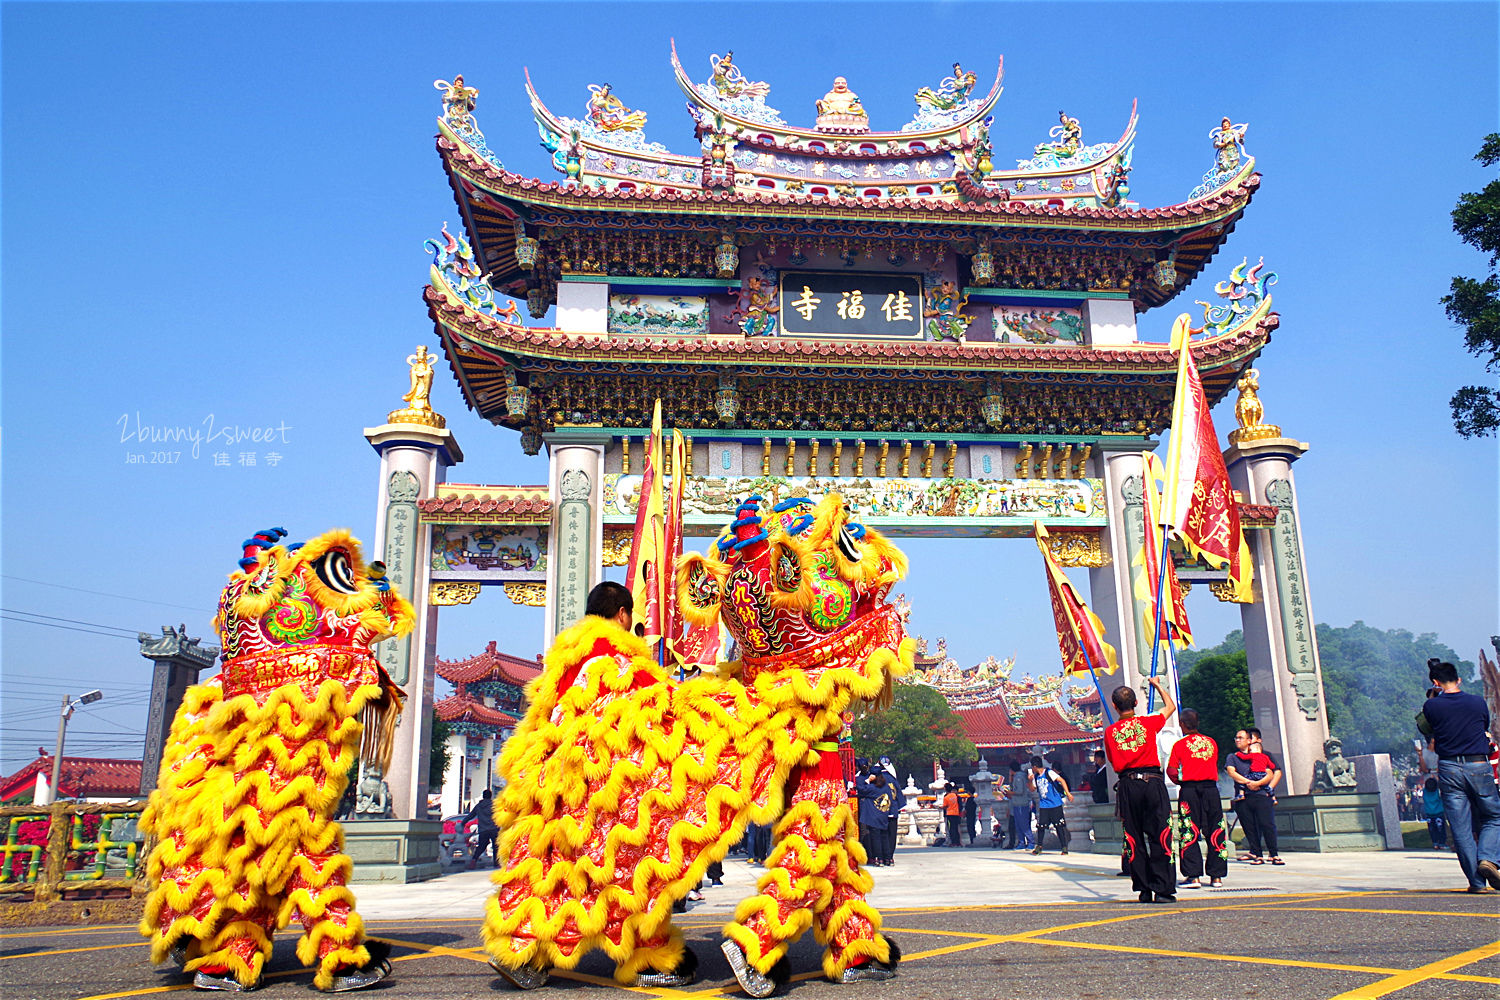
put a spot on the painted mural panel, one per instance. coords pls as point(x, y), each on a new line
point(494, 551)
point(712, 499)
point(675, 315)
point(1039, 326)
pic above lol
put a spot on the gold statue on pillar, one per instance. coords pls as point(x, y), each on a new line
point(418, 409)
point(1248, 411)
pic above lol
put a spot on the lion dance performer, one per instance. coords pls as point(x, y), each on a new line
point(256, 763)
point(623, 786)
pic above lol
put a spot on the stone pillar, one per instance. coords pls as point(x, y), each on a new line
point(575, 562)
point(414, 458)
point(456, 777)
point(1286, 678)
point(177, 660)
point(1111, 593)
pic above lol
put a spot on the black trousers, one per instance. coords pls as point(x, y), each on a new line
point(872, 838)
point(1201, 815)
point(890, 842)
point(487, 840)
point(955, 838)
point(1146, 812)
point(1051, 816)
point(1258, 818)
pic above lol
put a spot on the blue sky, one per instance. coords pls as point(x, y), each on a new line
point(218, 211)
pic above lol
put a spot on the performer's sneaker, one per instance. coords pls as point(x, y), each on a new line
point(178, 952)
point(522, 977)
point(1162, 897)
point(221, 981)
point(870, 972)
point(1189, 883)
point(752, 981)
point(1217, 883)
point(372, 972)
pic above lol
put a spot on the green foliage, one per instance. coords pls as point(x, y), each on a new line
point(918, 729)
point(1475, 305)
point(1218, 687)
point(437, 760)
point(1373, 683)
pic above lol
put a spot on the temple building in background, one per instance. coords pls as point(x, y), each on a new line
point(482, 712)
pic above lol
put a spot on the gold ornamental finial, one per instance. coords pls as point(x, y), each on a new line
point(1248, 411)
point(418, 408)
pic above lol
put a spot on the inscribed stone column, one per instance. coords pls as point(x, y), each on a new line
point(1111, 594)
point(177, 660)
point(1286, 677)
point(576, 482)
point(415, 448)
point(455, 779)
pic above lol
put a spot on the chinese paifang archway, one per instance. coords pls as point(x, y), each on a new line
point(951, 343)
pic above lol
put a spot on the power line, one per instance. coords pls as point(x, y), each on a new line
point(35, 614)
point(101, 593)
point(69, 628)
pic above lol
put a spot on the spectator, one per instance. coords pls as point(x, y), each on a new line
point(484, 812)
point(893, 813)
point(1432, 811)
point(1020, 809)
point(874, 814)
point(970, 800)
point(953, 812)
point(1099, 779)
point(1466, 782)
point(1050, 789)
point(1255, 776)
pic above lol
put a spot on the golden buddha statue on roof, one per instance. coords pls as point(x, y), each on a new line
point(840, 110)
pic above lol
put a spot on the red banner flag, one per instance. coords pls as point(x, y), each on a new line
point(1080, 633)
point(1148, 564)
point(1199, 504)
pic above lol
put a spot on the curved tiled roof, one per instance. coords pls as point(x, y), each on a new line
point(457, 708)
point(490, 665)
point(789, 350)
point(1230, 197)
point(990, 726)
point(525, 504)
point(81, 777)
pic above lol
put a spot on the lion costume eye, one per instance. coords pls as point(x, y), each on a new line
point(336, 572)
point(848, 545)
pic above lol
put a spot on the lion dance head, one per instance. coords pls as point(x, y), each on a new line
point(800, 584)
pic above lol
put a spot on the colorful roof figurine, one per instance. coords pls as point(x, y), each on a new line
point(688, 256)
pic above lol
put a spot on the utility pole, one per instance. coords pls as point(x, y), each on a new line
point(68, 705)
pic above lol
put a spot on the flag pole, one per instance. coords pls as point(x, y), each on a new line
point(1103, 705)
point(1161, 586)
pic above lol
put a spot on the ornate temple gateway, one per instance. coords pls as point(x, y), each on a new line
point(939, 322)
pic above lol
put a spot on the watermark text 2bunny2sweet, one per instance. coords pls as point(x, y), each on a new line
point(207, 432)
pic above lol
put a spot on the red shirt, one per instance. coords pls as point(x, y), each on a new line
point(1132, 742)
point(1197, 758)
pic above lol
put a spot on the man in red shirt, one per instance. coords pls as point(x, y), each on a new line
point(1194, 765)
point(1144, 809)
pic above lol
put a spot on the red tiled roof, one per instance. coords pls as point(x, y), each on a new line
point(1209, 353)
point(82, 777)
point(1257, 515)
point(584, 196)
point(490, 665)
point(457, 708)
point(991, 727)
point(1091, 698)
point(530, 505)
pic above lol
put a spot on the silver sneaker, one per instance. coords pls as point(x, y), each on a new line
point(358, 979)
point(522, 977)
point(226, 982)
point(752, 982)
point(870, 972)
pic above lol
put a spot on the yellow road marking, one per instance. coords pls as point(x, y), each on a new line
point(1422, 973)
point(69, 951)
point(102, 929)
point(1399, 913)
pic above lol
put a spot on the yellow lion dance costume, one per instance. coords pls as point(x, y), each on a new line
point(257, 761)
point(623, 785)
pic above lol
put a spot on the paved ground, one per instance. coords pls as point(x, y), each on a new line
point(974, 924)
